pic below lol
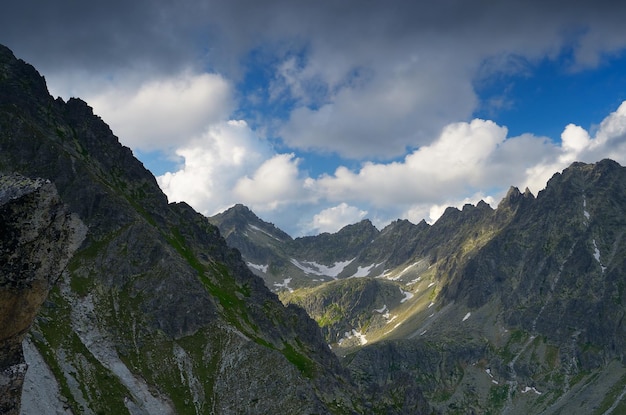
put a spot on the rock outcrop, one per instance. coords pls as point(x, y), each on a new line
point(37, 239)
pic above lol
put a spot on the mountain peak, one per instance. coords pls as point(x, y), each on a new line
point(363, 225)
point(238, 218)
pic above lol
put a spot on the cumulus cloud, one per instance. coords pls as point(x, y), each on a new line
point(466, 163)
point(577, 144)
point(275, 182)
point(469, 162)
point(459, 160)
point(335, 218)
point(165, 113)
point(213, 163)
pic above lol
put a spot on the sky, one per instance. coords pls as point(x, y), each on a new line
point(318, 114)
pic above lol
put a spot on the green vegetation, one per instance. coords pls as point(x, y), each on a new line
point(332, 314)
point(299, 360)
point(611, 396)
point(498, 396)
point(101, 388)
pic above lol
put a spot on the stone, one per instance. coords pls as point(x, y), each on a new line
point(37, 238)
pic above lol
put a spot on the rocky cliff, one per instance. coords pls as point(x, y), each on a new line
point(38, 236)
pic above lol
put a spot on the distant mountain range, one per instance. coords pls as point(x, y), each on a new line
point(517, 309)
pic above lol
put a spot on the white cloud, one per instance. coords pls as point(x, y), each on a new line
point(166, 113)
point(461, 160)
point(380, 115)
point(467, 162)
point(577, 144)
point(213, 164)
point(275, 182)
point(334, 218)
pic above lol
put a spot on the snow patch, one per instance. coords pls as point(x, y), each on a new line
point(407, 295)
point(596, 255)
point(596, 251)
point(354, 333)
point(528, 389)
point(416, 280)
point(467, 316)
point(262, 231)
point(285, 284)
point(386, 315)
point(405, 270)
point(262, 268)
point(430, 285)
point(312, 267)
point(381, 310)
point(587, 216)
point(364, 271)
point(431, 304)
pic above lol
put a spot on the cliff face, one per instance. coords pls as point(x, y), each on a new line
point(37, 239)
point(155, 314)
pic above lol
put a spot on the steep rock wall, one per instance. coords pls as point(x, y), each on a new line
point(37, 239)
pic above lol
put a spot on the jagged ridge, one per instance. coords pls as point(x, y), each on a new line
point(525, 302)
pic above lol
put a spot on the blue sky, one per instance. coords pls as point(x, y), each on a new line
point(320, 114)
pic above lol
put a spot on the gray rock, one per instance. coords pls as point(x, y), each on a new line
point(37, 239)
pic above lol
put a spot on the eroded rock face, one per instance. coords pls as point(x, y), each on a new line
point(37, 238)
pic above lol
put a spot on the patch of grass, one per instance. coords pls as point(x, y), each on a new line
point(498, 396)
point(552, 356)
point(81, 286)
point(299, 360)
point(332, 314)
point(101, 388)
point(611, 396)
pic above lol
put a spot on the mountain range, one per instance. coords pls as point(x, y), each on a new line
point(517, 309)
point(160, 310)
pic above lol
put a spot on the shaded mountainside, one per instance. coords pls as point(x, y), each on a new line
point(518, 309)
point(155, 314)
point(529, 315)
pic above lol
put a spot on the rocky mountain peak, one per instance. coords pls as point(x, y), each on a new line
point(363, 226)
point(20, 80)
point(511, 197)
